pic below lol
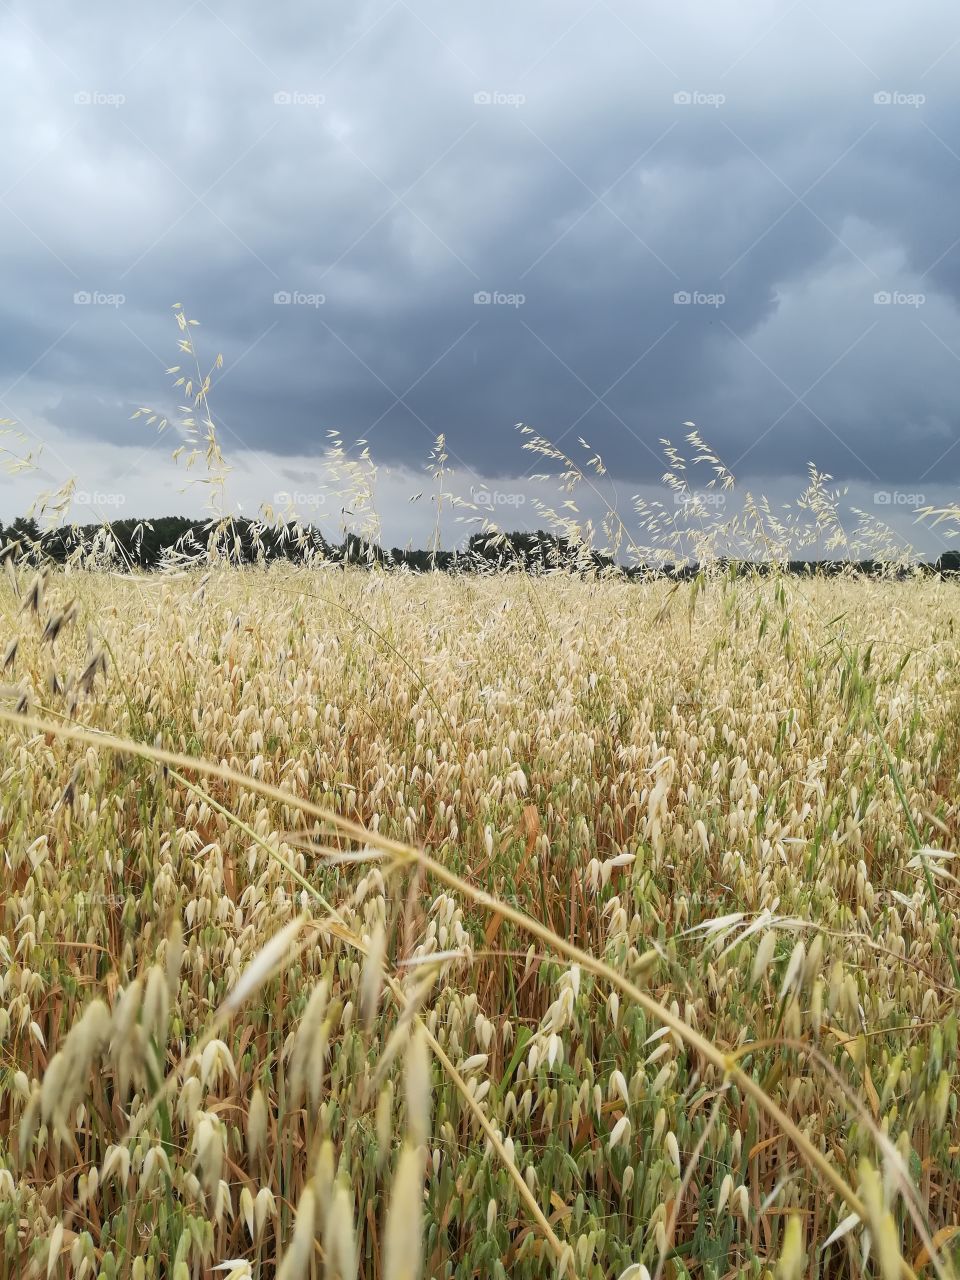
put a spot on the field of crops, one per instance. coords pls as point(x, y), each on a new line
point(512, 926)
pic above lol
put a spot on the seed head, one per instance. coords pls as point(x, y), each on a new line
point(403, 1243)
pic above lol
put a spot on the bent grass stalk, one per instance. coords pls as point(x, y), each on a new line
point(405, 854)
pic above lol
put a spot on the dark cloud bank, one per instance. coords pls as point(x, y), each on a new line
point(397, 219)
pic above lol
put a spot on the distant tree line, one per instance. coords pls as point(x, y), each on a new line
point(148, 544)
point(153, 544)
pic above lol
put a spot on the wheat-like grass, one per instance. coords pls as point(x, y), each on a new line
point(670, 907)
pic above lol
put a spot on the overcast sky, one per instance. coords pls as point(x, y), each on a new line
point(399, 219)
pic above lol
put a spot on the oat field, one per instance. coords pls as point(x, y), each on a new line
point(510, 926)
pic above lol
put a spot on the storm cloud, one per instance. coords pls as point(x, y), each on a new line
point(399, 219)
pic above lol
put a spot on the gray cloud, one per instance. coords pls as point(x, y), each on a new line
point(382, 164)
